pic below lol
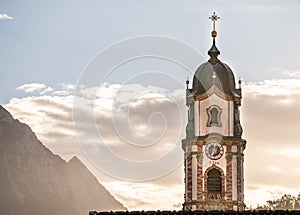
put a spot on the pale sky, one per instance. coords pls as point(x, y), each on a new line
point(79, 70)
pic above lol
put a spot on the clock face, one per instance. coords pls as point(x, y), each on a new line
point(214, 151)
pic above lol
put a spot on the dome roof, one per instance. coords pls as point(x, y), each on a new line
point(214, 72)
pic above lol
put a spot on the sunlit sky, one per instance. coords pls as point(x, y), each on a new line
point(47, 47)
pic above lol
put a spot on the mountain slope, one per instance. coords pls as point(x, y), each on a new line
point(33, 180)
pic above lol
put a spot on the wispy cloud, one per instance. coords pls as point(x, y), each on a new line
point(292, 74)
point(262, 193)
point(5, 16)
point(32, 87)
point(274, 87)
point(46, 90)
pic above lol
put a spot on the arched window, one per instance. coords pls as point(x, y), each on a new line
point(214, 181)
point(214, 116)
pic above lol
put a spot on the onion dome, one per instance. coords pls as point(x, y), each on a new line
point(214, 73)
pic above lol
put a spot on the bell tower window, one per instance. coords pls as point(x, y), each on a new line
point(214, 116)
point(214, 181)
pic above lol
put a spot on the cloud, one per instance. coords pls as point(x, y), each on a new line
point(66, 89)
point(292, 74)
point(46, 90)
point(146, 127)
point(4, 16)
point(144, 196)
point(259, 194)
point(269, 113)
point(273, 87)
point(132, 115)
point(33, 87)
point(42, 89)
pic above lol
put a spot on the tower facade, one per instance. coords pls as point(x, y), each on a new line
point(213, 147)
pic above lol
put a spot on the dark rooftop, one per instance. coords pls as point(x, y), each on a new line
point(248, 212)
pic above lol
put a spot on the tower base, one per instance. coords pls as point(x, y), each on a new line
point(213, 206)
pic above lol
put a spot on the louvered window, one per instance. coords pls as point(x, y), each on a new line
point(214, 181)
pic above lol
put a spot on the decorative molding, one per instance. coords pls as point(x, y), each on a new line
point(219, 93)
point(214, 119)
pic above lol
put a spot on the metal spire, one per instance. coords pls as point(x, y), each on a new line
point(214, 17)
point(214, 52)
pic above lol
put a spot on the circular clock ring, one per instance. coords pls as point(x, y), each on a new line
point(214, 151)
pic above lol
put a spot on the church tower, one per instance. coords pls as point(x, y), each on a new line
point(213, 147)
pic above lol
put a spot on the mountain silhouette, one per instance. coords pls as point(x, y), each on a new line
point(33, 180)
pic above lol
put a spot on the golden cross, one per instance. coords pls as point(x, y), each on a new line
point(214, 18)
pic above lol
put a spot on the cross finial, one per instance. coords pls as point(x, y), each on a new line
point(214, 17)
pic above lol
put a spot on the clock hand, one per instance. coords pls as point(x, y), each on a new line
point(214, 150)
